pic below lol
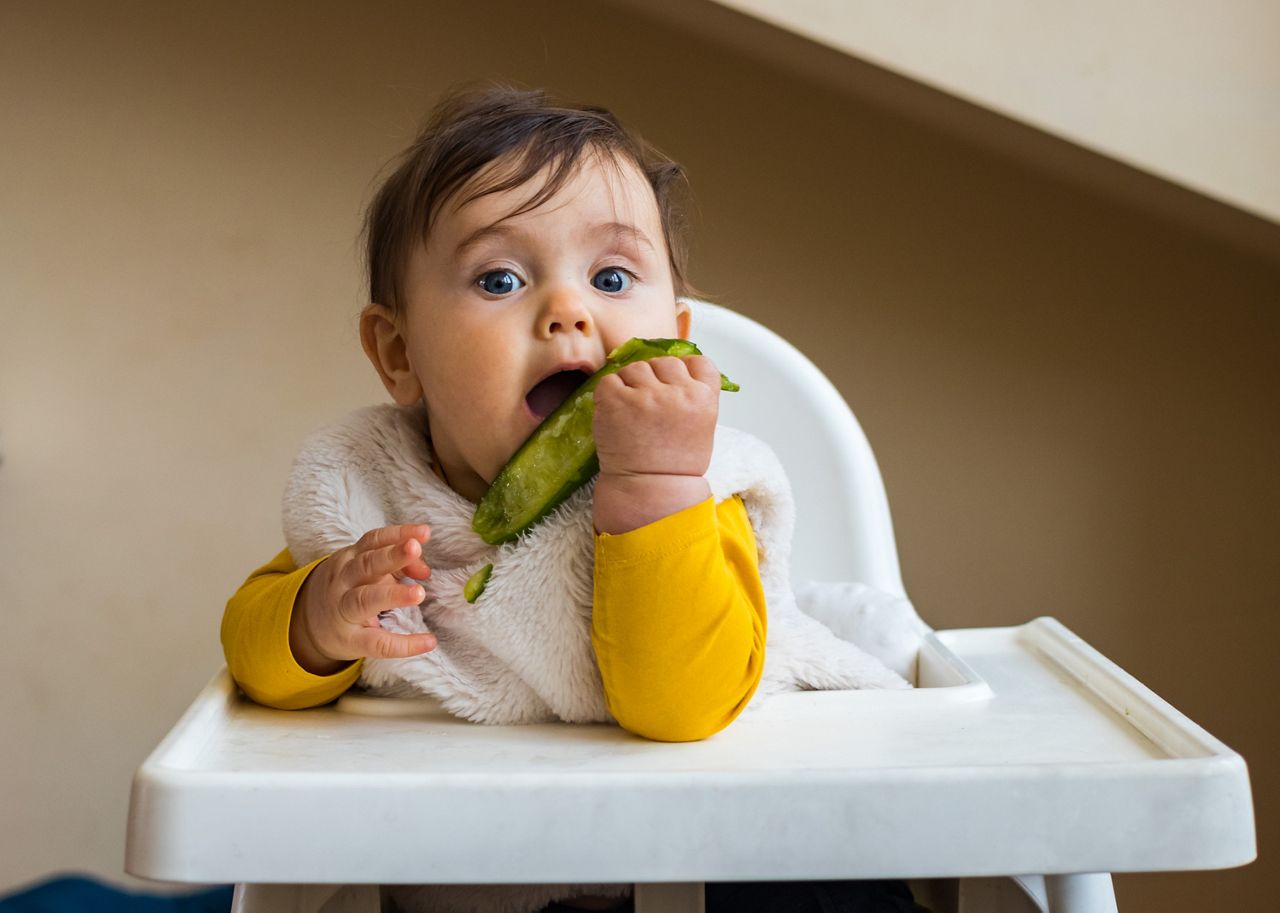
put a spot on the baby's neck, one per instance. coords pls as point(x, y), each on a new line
point(437, 466)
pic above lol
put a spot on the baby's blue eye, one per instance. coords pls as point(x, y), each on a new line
point(500, 282)
point(612, 280)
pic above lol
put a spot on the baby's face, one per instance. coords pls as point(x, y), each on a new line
point(506, 315)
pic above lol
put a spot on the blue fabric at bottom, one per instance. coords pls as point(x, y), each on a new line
point(76, 894)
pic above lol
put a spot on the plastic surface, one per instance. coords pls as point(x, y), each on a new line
point(843, 531)
point(1033, 754)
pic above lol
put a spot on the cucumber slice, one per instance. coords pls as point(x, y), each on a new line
point(560, 456)
point(476, 583)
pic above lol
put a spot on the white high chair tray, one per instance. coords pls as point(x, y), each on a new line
point(1024, 750)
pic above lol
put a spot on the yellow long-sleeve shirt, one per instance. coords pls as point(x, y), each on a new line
point(678, 626)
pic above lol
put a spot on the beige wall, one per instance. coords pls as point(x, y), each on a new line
point(1073, 402)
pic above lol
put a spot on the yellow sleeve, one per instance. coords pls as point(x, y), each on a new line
point(255, 641)
point(679, 621)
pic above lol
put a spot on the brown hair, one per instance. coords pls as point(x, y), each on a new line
point(473, 127)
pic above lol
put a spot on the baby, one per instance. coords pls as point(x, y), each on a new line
point(516, 244)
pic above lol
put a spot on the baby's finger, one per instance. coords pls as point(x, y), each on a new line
point(390, 535)
point(417, 569)
point(365, 602)
point(384, 645)
point(371, 566)
point(610, 385)
point(669, 369)
point(703, 369)
point(638, 373)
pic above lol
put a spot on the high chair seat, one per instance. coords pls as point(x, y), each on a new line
point(1023, 750)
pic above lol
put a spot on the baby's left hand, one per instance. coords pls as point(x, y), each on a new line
point(654, 427)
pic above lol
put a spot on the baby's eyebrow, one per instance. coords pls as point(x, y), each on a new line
point(498, 231)
point(484, 233)
point(622, 230)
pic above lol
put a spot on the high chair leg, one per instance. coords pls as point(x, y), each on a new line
point(671, 897)
point(305, 898)
point(1086, 893)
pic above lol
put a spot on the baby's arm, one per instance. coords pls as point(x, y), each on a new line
point(679, 622)
point(654, 427)
point(679, 617)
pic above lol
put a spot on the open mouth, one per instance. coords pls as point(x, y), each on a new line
point(550, 392)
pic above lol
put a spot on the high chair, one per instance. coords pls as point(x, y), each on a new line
point(1022, 752)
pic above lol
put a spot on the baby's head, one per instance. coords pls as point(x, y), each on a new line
point(514, 246)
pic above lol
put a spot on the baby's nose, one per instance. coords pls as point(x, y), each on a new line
point(565, 311)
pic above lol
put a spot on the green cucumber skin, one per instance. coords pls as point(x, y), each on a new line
point(560, 455)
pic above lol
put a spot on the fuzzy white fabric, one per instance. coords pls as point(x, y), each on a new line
point(884, 625)
point(522, 652)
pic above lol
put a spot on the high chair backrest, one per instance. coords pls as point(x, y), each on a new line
point(843, 529)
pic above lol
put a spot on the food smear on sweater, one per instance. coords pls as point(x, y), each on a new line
point(560, 456)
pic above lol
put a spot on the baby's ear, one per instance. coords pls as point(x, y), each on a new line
point(384, 343)
point(684, 317)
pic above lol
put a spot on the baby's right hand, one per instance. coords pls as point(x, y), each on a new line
point(335, 619)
